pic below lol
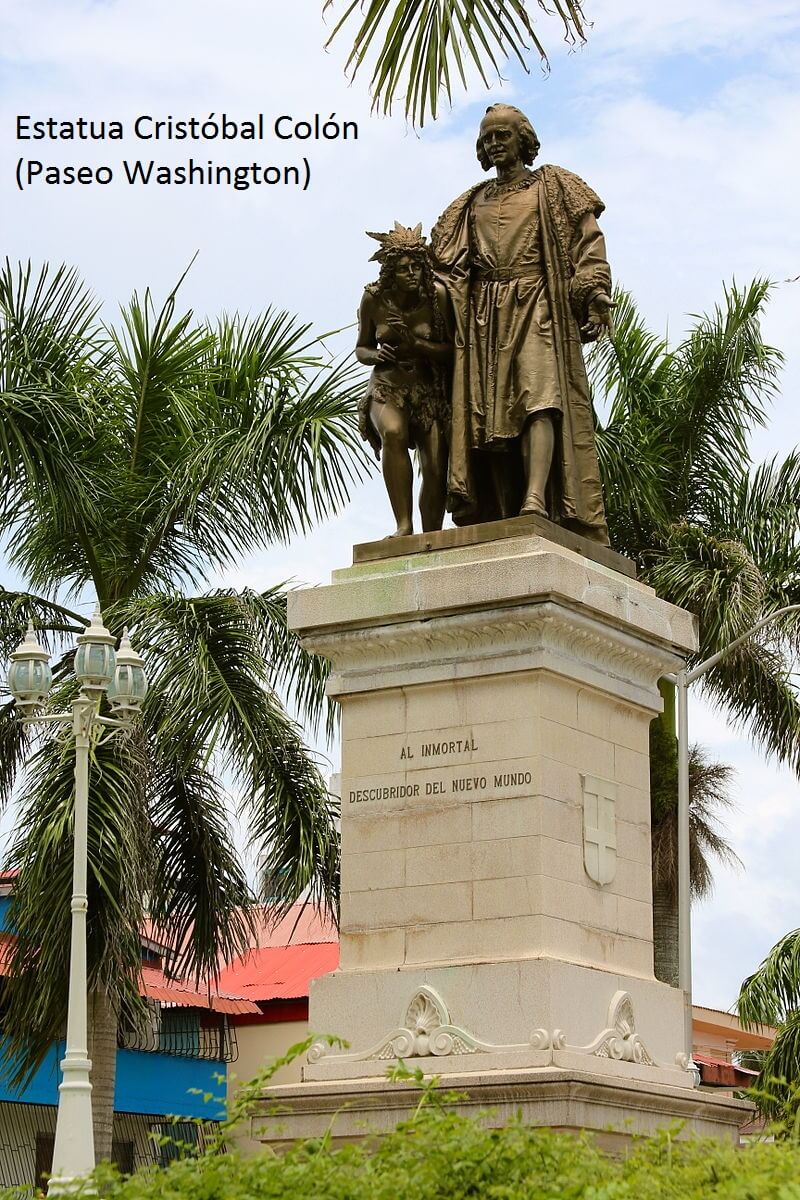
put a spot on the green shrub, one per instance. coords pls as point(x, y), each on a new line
point(439, 1155)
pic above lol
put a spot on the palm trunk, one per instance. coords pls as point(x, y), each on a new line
point(665, 935)
point(664, 807)
point(103, 1053)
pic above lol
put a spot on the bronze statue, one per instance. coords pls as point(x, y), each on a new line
point(405, 333)
point(525, 266)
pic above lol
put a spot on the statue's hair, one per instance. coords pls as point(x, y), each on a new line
point(529, 142)
point(383, 285)
point(385, 282)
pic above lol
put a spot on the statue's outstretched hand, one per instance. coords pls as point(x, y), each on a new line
point(601, 318)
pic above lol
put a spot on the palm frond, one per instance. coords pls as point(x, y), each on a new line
point(50, 357)
point(776, 1094)
point(119, 873)
point(211, 693)
point(629, 370)
point(14, 742)
point(772, 993)
point(47, 324)
point(691, 409)
point(771, 996)
point(283, 454)
point(709, 792)
point(725, 376)
point(719, 581)
point(781, 1067)
point(762, 509)
point(293, 818)
point(254, 441)
point(200, 901)
point(158, 357)
point(420, 43)
point(52, 621)
point(292, 670)
point(630, 463)
point(755, 684)
point(628, 376)
point(714, 577)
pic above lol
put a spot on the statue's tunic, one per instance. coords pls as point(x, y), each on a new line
point(512, 363)
point(521, 262)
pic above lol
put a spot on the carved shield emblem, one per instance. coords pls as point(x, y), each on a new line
point(599, 828)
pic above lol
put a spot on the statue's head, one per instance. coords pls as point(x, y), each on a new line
point(505, 117)
point(403, 256)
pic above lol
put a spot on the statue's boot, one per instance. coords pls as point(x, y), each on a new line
point(533, 506)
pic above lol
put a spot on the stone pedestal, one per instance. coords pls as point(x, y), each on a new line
point(496, 893)
point(613, 1110)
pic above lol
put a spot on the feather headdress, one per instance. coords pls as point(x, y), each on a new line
point(401, 238)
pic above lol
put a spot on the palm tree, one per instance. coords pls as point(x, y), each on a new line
point(771, 996)
point(707, 530)
point(709, 784)
point(421, 45)
point(133, 461)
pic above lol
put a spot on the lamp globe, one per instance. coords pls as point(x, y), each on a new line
point(128, 688)
point(94, 658)
point(29, 676)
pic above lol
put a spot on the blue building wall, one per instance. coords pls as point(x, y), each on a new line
point(43, 1088)
point(146, 1083)
point(160, 1084)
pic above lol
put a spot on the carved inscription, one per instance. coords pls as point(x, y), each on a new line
point(416, 768)
point(439, 749)
point(503, 780)
point(403, 791)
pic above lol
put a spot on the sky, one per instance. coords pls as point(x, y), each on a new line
point(683, 116)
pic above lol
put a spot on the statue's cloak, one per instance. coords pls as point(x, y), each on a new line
point(563, 211)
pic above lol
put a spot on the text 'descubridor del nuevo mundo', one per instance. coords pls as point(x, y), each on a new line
point(156, 151)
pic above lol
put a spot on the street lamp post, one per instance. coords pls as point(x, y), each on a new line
point(682, 680)
point(121, 677)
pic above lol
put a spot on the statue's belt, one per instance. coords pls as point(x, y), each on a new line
point(505, 275)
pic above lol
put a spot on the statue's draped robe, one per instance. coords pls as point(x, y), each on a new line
point(521, 263)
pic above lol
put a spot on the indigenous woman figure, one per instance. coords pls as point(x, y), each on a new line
point(405, 334)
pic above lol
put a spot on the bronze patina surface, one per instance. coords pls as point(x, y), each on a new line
point(405, 334)
point(524, 263)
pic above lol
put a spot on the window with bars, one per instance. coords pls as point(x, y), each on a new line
point(185, 1032)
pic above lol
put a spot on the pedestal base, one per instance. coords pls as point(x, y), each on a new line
point(536, 1012)
point(565, 1100)
point(496, 912)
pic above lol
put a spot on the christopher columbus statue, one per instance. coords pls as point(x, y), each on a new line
point(524, 262)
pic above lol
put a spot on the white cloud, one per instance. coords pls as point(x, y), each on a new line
point(689, 26)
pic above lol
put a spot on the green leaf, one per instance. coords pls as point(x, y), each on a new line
point(416, 41)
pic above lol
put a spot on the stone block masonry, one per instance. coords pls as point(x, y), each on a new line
point(496, 912)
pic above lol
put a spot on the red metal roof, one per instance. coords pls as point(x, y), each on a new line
point(158, 986)
point(303, 924)
point(716, 1072)
point(280, 972)
point(6, 942)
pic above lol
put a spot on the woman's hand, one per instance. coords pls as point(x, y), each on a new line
point(400, 337)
